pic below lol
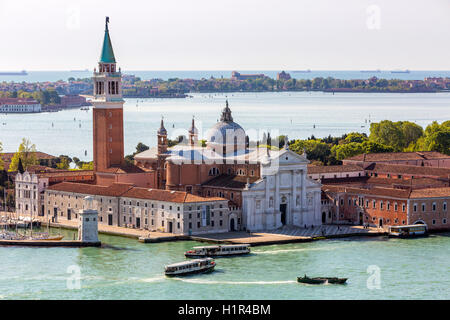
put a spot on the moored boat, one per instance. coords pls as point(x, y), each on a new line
point(218, 251)
point(190, 267)
point(408, 231)
point(321, 280)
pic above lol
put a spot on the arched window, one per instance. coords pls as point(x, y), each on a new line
point(214, 172)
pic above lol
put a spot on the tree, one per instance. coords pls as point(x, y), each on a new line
point(315, 149)
point(179, 139)
point(3, 177)
point(87, 166)
point(26, 154)
point(437, 137)
point(355, 137)
point(63, 164)
point(388, 133)
point(20, 166)
point(347, 150)
point(374, 147)
point(141, 147)
point(411, 132)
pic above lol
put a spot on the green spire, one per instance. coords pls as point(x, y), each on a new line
point(107, 50)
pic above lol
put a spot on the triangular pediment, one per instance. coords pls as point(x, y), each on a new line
point(288, 157)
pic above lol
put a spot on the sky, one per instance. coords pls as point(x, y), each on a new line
point(227, 35)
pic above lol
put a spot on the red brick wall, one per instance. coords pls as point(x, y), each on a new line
point(108, 136)
point(440, 215)
point(371, 215)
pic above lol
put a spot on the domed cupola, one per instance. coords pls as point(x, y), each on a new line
point(226, 135)
point(226, 114)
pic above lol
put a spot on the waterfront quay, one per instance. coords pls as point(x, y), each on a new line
point(283, 235)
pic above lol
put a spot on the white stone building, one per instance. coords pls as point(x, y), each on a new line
point(19, 105)
point(28, 194)
point(283, 196)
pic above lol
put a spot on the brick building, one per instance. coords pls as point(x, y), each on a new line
point(150, 209)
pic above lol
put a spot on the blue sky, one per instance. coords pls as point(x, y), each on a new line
point(227, 35)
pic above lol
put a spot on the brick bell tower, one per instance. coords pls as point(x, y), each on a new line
point(107, 110)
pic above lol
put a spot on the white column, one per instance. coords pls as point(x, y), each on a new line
point(293, 206)
point(267, 195)
point(277, 193)
point(303, 203)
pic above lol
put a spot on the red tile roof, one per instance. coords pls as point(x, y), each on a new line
point(430, 193)
point(66, 173)
point(374, 191)
point(114, 190)
point(391, 192)
point(127, 190)
point(393, 156)
point(410, 170)
point(330, 169)
point(125, 169)
point(166, 195)
point(229, 181)
point(7, 156)
point(18, 101)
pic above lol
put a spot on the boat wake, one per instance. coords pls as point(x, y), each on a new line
point(291, 250)
point(154, 279)
point(200, 281)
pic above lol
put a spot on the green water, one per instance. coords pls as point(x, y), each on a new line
point(127, 269)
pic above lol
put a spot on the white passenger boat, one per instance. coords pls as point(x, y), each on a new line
point(218, 251)
point(415, 230)
point(190, 267)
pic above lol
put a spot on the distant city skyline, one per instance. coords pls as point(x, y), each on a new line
point(232, 35)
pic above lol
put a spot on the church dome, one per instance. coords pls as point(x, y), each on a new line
point(226, 131)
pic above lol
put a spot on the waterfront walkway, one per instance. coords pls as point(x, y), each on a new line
point(290, 234)
point(286, 234)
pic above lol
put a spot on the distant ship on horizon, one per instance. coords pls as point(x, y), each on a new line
point(13, 73)
point(400, 71)
point(371, 71)
point(302, 71)
point(85, 70)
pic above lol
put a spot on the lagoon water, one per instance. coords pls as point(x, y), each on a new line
point(127, 269)
point(293, 113)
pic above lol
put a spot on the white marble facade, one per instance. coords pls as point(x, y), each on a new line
point(283, 196)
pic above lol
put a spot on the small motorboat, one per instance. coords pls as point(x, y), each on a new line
point(321, 280)
point(218, 251)
point(190, 267)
